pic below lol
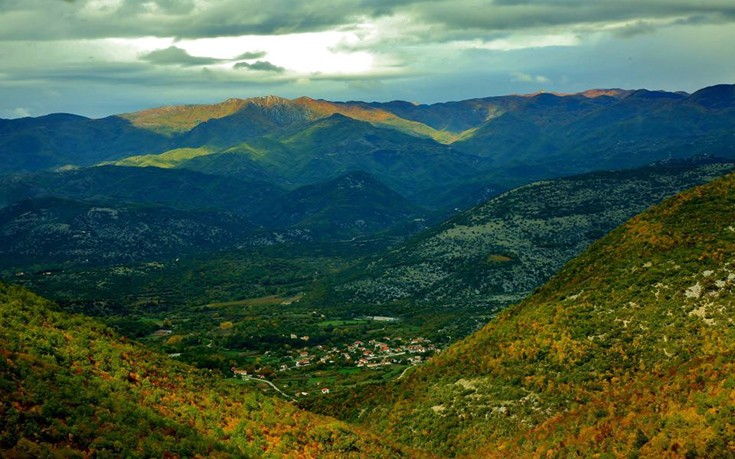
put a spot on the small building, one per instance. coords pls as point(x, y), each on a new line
point(325, 390)
point(383, 319)
point(240, 373)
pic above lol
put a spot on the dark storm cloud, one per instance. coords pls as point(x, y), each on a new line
point(251, 55)
point(19, 20)
point(44, 19)
point(176, 56)
point(636, 28)
point(133, 74)
point(109, 73)
point(263, 66)
point(531, 14)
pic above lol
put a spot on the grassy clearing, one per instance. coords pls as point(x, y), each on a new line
point(342, 323)
point(259, 301)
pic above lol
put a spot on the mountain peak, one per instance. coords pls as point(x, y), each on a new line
point(612, 92)
point(718, 96)
point(589, 93)
point(269, 101)
point(658, 94)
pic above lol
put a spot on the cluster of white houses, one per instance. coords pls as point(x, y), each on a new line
point(372, 354)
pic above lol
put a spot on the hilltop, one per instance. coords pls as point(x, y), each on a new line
point(628, 350)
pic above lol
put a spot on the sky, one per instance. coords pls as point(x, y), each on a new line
point(101, 57)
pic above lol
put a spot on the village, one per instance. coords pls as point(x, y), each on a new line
point(372, 354)
point(387, 353)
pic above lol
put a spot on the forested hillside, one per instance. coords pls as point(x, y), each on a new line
point(628, 352)
point(69, 387)
point(496, 253)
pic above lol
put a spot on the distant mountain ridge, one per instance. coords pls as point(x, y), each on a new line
point(181, 189)
point(505, 141)
point(111, 215)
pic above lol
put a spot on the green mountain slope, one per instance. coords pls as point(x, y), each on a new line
point(628, 352)
point(180, 189)
point(70, 388)
point(350, 205)
point(61, 232)
point(171, 158)
point(570, 134)
point(30, 144)
point(496, 253)
point(329, 147)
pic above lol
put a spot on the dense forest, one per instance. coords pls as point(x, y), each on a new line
point(70, 387)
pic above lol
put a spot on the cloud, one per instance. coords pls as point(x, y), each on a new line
point(263, 66)
point(106, 55)
point(517, 15)
point(527, 78)
point(19, 19)
point(251, 55)
point(20, 112)
point(176, 56)
point(636, 28)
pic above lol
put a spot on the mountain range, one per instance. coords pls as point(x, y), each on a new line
point(431, 154)
point(565, 257)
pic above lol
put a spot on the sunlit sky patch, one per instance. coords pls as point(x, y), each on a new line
point(97, 57)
